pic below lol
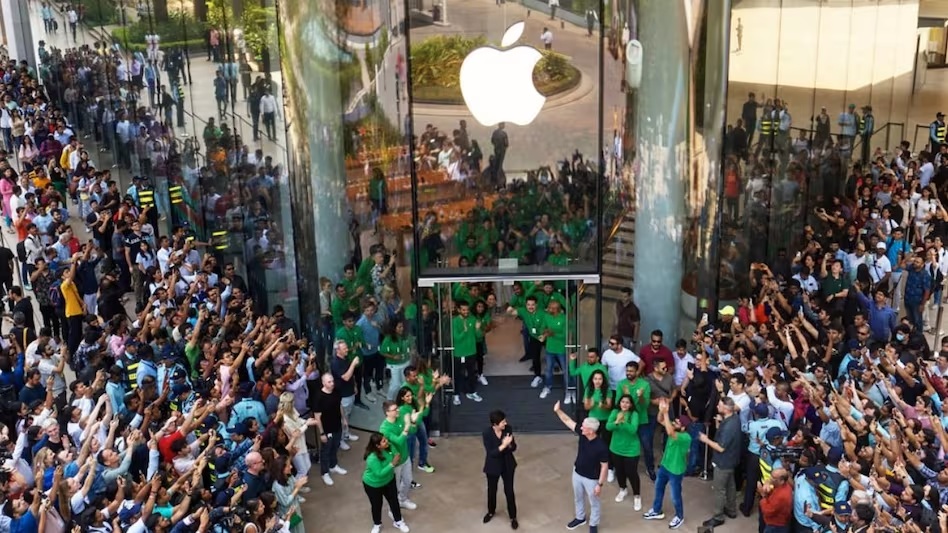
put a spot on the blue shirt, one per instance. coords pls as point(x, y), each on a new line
point(146, 368)
point(757, 432)
point(371, 334)
point(918, 283)
point(882, 322)
point(116, 392)
point(804, 493)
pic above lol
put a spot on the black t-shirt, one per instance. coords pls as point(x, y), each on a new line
point(329, 407)
point(590, 455)
point(132, 242)
point(6, 256)
point(339, 366)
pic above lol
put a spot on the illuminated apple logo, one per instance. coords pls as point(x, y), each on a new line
point(497, 85)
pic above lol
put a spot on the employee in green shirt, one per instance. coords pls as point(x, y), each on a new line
point(485, 323)
point(597, 400)
point(638, 388)
point(464, 336)
point(395, 349)
point(554, 327)
point(625, 449)
point(398, 426)
point(585, 371)
point(672, 469)
point(378, 480)
point(533, 319)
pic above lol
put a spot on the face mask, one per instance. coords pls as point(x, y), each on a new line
point(874, 215)
point(900, 337)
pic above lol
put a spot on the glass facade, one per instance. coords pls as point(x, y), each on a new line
point(203, 80)
point(306, 135)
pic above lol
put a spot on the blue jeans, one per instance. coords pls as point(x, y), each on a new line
point(419, 440)
point(915, 315)
point(555, 359)
point(647, 439)
point(696, 455)
point(663, 478)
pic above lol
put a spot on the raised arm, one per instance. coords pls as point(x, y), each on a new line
point(565, 418)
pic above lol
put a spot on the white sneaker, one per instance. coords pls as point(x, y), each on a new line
point(344, 446)
point(482, 380)
point(306, 490)
point(327, 479)
point(474, 396)
point(377, 529)
point(568, 399)
point(408, 504)
point(612, 476)
point(637, 503)
point(401, 526)
point(339, 470)
point(457, 400)
point(368, 397)
point(545, 392)
point(621, 496)
point(352, 438)
point(536, 382)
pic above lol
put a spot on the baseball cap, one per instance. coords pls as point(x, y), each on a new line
point(179, 388)
point(880, 246)
point(727, 310)
point(815, 474)
point(761, 410)
point(834, 455)
point(775, 433)
point(854, 365)
point(842, 508)
point(126, 514)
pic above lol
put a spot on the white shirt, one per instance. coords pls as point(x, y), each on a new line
point(810, 285)
point(879, 266)
point(681, 367)
point(163, 255)
point(547, 37)
point(784, 408)
point(742, 400)
point(615, 362)
point(268, 104)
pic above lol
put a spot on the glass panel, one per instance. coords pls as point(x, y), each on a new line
point(492, 190)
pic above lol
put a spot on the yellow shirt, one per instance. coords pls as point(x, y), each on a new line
point(71, 298)
point(64, 157)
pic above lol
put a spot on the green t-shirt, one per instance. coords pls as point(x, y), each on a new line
point(339, 307)
point(585, 370)
point(396, 351)
point(353, 338)
point(518, 300)
point(379, 471)
point(555, 326)
point(641, 404)
point(411, 311)
point(832, 286)
point(675, 459)
point(533, 321)
point(598, 411)
point(417, 390)
point(464, 335)
point(393, 431)
point(625, 435)
point(193, 355)
point(483, 320)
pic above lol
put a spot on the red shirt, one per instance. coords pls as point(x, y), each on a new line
point(164, 445)
point(778, 506)
point(648, 357)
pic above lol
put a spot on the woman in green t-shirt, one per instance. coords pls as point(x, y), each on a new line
point(597, 401)
point(378, 480)
point(625, 449)
point(396, 350)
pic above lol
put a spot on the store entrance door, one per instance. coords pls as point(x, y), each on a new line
point(489, 333)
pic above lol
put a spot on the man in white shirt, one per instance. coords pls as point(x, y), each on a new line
point(779, 399)
point(547, 38)
point(737, 393)
point(682, 360)
point(615, 359)
point(879, 266)
point(268, 108)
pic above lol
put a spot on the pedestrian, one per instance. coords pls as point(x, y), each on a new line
point(592, 17)
point(327, 406)
point(553, 5)
point(776, 502)
point(378, 481)
point(672, 468)
point(398, 426)
point(546, 37)
point(589, 469)
point(625, 449)
point(726, 447)
point(499, 463)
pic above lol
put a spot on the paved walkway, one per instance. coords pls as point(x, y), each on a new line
point(199, 95)
point(556, 132)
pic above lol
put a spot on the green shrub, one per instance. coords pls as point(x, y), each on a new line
point(190, 44)
point(99, 12)
point(179, 27)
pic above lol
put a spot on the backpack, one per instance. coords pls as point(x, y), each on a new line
point(56, 295)
point(21, 251)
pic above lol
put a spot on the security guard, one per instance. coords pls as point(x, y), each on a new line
point(766, 129)
point(936, 132)
point(769, 453)
point(834, 487)
point(248, 407)
point(129, 363)
point(758, 431)
point(176, 195)
point(146, 202)
point(179, 102)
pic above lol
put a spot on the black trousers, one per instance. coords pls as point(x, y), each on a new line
point(375, 494)
point(465, 375)
point(508, 477)
point(373, 369)
point(51, 320)
point(752, 476)
point(75, 335)
point(534, 351)
point(627, 469)
point(481, 350)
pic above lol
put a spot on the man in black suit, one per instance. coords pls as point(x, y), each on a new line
point(499, 445)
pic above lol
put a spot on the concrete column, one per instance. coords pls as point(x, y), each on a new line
point(19, 34)
point(660, 114)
